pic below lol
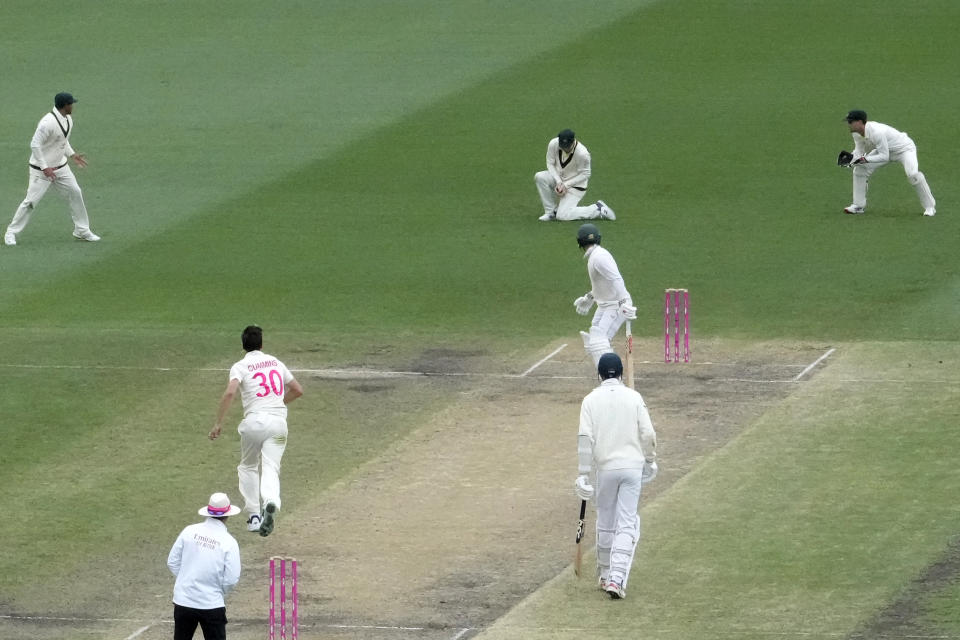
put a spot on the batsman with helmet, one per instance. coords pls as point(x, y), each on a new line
point(617, 439)
point(607, 290)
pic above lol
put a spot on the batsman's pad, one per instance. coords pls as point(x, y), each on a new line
point(844, 159)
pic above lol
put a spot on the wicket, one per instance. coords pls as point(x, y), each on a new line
point(294, 623)
point(678, 296)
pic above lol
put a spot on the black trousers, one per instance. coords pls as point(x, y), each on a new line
point(213, 622)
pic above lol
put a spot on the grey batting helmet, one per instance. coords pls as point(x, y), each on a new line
point(588, 234)
point(610, 366)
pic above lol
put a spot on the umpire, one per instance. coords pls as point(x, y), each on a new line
point(206, 560)
point(617, 437)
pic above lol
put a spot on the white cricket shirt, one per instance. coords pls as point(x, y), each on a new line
point(572, 170)
point(50, 146)
point(616, 420)
point(206, 560)
point(263, 381)
point(606, 283)
point(879, 141)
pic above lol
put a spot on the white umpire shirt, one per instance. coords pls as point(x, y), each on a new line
point(206, 560)
point(572, 170)
point(263, 379)
point(50, 146)
point(879, 141)
point(606, 283)
point(615, 419)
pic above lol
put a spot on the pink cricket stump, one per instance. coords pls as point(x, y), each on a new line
point(273, 568)
point(666, 326)
point(686, 326)
point(283, 598)
point(676, 325)
point(293, 595)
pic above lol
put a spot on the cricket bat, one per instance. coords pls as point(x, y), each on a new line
point(628, 366)
point(578, 559)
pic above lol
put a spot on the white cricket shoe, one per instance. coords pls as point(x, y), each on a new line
point(602, 583)
point(853, 209)
point(615, 591)
point(253, 523)
point(10, 239)
point(547, 217)
point(269, 518)
point(605, 211)
point(87, 235)
point(930, 212)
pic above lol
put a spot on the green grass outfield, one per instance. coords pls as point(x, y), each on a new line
point(357, 178)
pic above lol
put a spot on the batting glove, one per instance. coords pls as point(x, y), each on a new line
point(583, 488)
point(628, 311)
point(649, 472)
point(583, 304)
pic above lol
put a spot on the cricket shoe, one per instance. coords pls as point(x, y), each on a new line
point(615, 591)
point(269, 518)
point(253, 523)
point(548, 217)
point(10, 239)
point(602, 584)
point(605, 211)
point(87, 235)
point(929, 212)
point(853, 209)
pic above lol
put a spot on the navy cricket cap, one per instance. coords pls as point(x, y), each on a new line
point(63, 99)
point(856, 114)
point(566, 137)
point(610, 366)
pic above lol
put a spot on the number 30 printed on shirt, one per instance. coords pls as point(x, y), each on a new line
point(275, 385)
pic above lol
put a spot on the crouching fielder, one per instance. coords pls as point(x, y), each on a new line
point(877, 144)
point(614, 304)
point(617, 437)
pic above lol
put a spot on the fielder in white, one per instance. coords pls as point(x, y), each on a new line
point(266, 388)
point(614, 304)
point(564, 183)
point(617, 439)
point(50, 151)
point(876, 144)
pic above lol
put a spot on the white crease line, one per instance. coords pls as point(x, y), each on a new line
point(137, 633)
point(813, 364)
point(555, 352)
point(463, 632)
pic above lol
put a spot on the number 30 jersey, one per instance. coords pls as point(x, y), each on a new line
point(262, 380)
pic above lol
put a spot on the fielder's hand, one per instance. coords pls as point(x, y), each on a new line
point(628, 311)
point(560, 188)
point(844, 159)
point(79, 159)
point(649, 472)
point(583, 488)
point(583, 304)
point(215, 432)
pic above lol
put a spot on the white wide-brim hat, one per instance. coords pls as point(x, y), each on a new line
point(219, 506)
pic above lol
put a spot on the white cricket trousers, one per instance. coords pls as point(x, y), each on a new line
point(911, 167)
point(607, 321)
point(565, 205)
point(66, 185)
point(263, 439)
point(618, 523)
